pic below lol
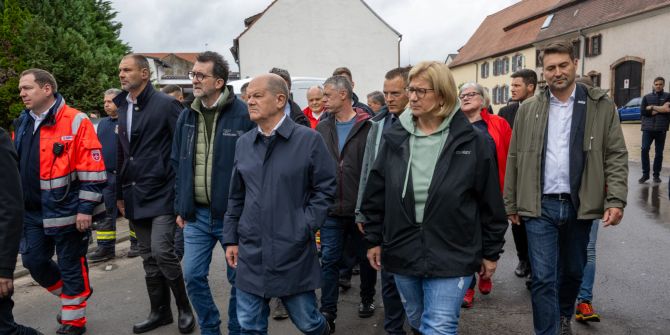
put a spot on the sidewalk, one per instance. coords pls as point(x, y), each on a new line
point(122, 234)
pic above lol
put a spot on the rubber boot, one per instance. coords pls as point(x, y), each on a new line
point(186, 319)
point(159, 297)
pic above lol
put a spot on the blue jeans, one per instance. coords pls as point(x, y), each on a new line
point(433, 305)
point(647, 138)
point(332, 241)
point(586, 290)
point(200, 238)
point(557, 251)
point(253, 312)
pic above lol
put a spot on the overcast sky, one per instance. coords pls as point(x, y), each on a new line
point(431, 29)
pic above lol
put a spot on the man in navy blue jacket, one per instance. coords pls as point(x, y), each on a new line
point(202, 156)
point(283, 182)
point(145, 189)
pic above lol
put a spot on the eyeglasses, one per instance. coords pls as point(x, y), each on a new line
point(420, 92)
point(198, 75)
point(468, 95)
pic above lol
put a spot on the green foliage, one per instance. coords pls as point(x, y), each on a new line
point(76, 40)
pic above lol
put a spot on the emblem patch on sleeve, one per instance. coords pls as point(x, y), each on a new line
point(96, 155)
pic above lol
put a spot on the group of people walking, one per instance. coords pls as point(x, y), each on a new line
point(421, 189)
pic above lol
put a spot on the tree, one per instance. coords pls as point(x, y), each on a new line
point(76, 40)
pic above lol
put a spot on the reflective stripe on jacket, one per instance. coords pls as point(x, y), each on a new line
point(71, 182)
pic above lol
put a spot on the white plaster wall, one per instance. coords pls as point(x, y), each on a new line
point(313, 37)
point(645, 38)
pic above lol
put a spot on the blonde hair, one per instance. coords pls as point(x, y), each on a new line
point(440, 77)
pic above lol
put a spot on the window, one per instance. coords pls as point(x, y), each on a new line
point(494, 96)
point(505, 94)
point(576, 46)
point(495, 67)
point(595, 78)
point(505, 65)
point(517, 62)
point(485, 70)
point(538, 61)
point(547, 21)
point(594, 45)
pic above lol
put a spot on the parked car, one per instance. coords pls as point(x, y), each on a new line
point(299, 86)
point(631, 110)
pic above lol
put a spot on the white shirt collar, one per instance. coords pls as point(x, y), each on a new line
point(274, 130)
point(42, 115)
point(553, 98)
point(130, 100)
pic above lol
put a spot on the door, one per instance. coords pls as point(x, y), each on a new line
point(627, 82)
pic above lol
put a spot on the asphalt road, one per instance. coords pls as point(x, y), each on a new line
point(630, 290)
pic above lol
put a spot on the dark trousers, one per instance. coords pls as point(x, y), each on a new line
point(7, 324)
point(647, 138)
point(155, 237)
point(520, 241)
point(106, 229)
point(394, 312)
point(67, 278)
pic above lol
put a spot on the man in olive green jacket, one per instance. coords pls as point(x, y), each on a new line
point(567, 165)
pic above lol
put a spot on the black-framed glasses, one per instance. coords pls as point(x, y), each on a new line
point(419, 91)
point(198, 75)
point(468, 95)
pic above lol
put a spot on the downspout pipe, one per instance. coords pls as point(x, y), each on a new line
point(582, 52)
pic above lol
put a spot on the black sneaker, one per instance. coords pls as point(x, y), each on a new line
point(330, 320)
point(565, 326)
point(366, 309)
point(133, 252)
point(522, 269)
point(344, 283)
point(101, 255)
point(643, 179)
point(279, 312)
point(71, 330)
point(657, 180)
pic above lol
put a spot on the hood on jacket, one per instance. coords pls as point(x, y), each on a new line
point(408, 123)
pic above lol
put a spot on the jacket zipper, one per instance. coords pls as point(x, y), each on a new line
point(341, 173)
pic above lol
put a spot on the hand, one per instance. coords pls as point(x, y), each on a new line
point(650, 108)
point(83, 222)
point(231, 255)
point(375, 257)
point(487, 269)
point(6, 287)
point(121, 206)
point(360, 227)
point(514, 218)
point(180, 222)
point(612, 216)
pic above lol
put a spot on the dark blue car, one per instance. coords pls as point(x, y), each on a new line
point(630, 111)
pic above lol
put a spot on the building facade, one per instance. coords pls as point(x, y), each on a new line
point(312, 38)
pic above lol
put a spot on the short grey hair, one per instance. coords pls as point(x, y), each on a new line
point(113, 91)
point(340, 83)
point(318, 87)
point(277, 85)
point(378, 97)
point(479, 89)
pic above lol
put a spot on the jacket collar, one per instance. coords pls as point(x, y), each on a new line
point(285, 129)
point(459, 127)
point(142, 99)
